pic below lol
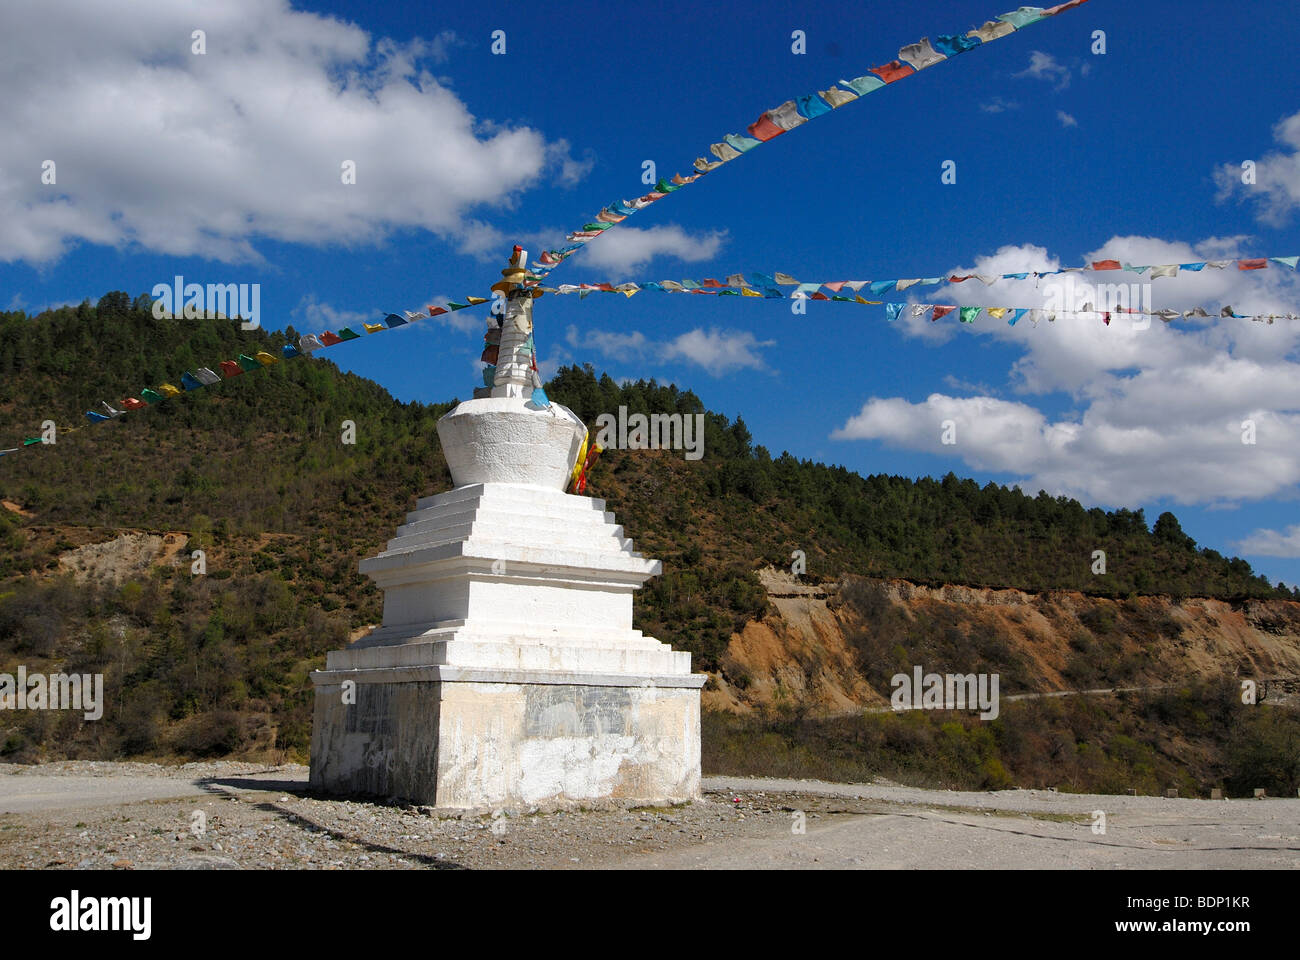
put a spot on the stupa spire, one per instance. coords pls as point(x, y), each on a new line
point(514, 373)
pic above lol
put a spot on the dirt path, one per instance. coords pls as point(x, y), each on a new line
point(87, 815)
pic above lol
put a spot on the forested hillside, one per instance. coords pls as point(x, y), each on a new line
point(253, 471)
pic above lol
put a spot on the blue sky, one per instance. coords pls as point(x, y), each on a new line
point(225, 168)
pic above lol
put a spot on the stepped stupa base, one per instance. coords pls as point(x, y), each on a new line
point(507, 673)
point(475, 739)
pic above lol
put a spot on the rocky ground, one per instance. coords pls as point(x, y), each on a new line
point(224, 815)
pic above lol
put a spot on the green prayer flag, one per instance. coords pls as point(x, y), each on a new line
point(150, 396)
point(248, 363)
point(453, 305)
point(968, 314)
point(348, 333)
point(28, 442)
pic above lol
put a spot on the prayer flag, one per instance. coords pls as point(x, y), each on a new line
point(892, 71)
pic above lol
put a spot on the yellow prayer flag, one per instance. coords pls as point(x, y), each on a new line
point(264, 358)
point(373, 327)
point(582, 458)
point(167, 390)
point(746, 292)
point(473, 300)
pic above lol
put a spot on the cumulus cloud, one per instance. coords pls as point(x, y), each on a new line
point(1044, 66)
point(717, 352)
point(1276, 190)
point(1159, 411)
point(1272, 543)
point(1066, 119)
point(187, 154)
point(629, 248)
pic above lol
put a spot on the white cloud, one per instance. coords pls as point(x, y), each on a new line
point(717, 351)
point(1158, 411)
point(1272, 543)
point(205, 155)
point(621, 250)
point(569, 170)
point(627, 248)
point(999, 105)
point(1066, 119)
point(322, 316)
point(1276, 190)
point(1044, 66)
point(957, 383)
point(617, 346)
point(551, 362)
point(465, 321)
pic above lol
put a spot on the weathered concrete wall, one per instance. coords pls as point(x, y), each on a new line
point(368, 747)
point(475, 745)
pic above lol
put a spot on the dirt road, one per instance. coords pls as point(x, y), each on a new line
point(235, 815)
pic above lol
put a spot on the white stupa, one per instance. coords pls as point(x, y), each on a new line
point(507, 673)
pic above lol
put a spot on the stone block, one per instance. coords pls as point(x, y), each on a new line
point(479, 740)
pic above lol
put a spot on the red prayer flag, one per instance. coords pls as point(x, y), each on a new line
point(819, 296)
point(329, 338)
point(131, 403)
point(1259, 264)
point(230, 369)
point(894, 70)
point(942, 312)
point(764, 129)
point(710, 283)
point(969, 276)
point(1106, 265)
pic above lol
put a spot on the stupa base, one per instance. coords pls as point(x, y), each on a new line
point(489, 739)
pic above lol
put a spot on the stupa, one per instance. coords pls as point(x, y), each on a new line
point(506, 673)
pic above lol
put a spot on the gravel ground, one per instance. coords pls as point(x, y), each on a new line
point(83, 815)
